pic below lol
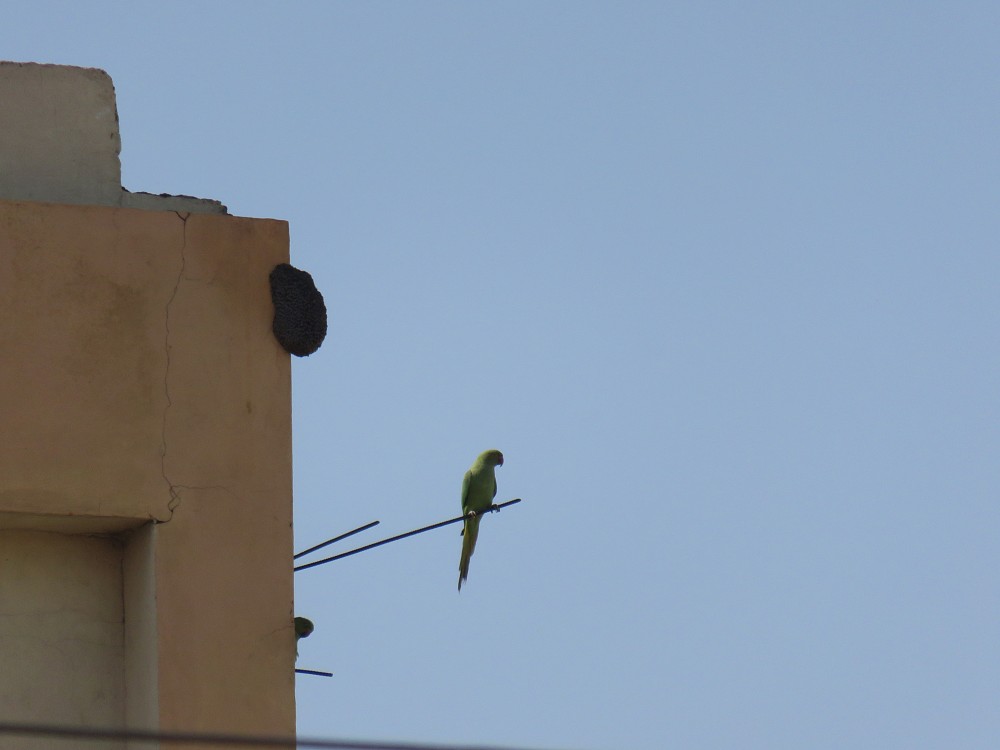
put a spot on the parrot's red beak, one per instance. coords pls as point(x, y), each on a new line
point(501, 460)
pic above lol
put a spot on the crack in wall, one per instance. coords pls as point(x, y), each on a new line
point(172, 488)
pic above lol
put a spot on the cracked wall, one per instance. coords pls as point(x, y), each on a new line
point(142, 383)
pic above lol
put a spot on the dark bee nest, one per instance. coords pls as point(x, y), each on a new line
point(299, 310)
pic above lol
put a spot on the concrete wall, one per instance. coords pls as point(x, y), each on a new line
point(64, 122)
point(61, 633)
point(142, 383)
point(61, 141)
point(145, 466)
point(141, 633)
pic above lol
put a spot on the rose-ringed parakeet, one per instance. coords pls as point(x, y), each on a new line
point(303, 629)
point(478, 490)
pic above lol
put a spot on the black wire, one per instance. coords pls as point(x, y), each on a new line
point(315, 672)
point(335, 539)
point(397, 538)
point(212, 738)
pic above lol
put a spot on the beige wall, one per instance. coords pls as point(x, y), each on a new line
point(141, 382)
point(141, 634)
point(61, 646)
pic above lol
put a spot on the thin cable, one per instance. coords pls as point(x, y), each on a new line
point(211, 738)
point(335, 539)
point(398, 537)
point(313, 671)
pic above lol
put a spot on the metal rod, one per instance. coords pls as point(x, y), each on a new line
point(335, 539)
point(396, 538)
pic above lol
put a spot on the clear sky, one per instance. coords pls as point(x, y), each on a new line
point(721, 281)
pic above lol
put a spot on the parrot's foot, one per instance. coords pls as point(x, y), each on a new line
point(471, 514)
point(494, 508)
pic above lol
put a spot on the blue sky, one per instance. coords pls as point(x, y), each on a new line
point(721, 281)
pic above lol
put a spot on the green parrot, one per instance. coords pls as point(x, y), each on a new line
point(478, 490)
point(303, 629)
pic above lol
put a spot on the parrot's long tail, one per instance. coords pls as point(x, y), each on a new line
point(469, 536)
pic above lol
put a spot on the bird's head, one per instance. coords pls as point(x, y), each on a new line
point(303, 627)
point(493, 457)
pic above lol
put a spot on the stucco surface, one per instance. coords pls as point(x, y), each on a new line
point(83, 296)
point(141, 382)
point(61, 139)
point(226, 552)
point(61, 632)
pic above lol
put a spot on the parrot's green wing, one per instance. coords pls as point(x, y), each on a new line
point(465, 492)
